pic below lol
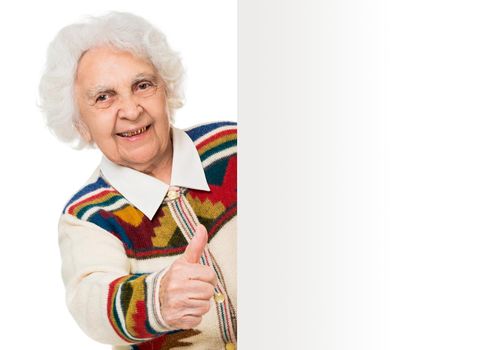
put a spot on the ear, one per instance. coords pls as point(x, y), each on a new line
point(83, 130)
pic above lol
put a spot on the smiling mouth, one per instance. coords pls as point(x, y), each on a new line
point(134, 132)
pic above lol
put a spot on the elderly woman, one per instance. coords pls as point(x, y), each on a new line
point(148, 243)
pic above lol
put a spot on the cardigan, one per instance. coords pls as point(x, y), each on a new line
point(114, 255)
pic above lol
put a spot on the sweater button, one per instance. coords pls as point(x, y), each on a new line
point(230, 346)
point(219, 298)
point(173, 194)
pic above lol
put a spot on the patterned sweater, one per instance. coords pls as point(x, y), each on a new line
point(113, 255)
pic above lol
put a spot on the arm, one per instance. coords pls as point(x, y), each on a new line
point(110, 305)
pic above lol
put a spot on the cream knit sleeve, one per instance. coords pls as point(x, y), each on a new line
point(110, 304)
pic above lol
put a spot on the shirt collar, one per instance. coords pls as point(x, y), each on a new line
point(147, 192)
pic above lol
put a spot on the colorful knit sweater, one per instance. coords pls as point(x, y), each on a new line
point(113, 255)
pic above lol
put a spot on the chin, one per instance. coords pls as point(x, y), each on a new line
point(141, 158)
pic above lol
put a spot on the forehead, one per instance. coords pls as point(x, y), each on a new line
point(109, 66)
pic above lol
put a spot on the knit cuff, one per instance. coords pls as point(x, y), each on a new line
point(133, 307)
point(158, 323)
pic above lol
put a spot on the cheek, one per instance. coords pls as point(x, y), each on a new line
point(104, 123)
point(84, 131)
point(156, 107)
point(101, 131)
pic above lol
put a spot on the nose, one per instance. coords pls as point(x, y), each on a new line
point(129, 108)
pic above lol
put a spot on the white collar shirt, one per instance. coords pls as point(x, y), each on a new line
point(146, 192)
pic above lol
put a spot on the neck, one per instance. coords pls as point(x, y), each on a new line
point(162, 170)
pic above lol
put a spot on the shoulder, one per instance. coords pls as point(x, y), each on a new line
point(96, 193)
point(214, 140)
point(201, 132)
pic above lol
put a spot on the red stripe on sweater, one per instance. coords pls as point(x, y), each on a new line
point(111, 305)
point(222, 220)
point(154, 252)
point(89, 199)
point(216, 136)
point(139, 318)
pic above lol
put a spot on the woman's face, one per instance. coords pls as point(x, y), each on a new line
point(121, 99)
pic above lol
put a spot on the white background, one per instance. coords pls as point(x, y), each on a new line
point(39, 173)
point(434, 175)
point(361, 187)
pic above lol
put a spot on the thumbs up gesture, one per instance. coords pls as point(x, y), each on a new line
point(187, 286)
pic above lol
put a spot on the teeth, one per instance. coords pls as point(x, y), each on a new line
point(133, 133)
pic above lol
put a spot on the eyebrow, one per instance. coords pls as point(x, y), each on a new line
point(149, 76)
point(91, 93)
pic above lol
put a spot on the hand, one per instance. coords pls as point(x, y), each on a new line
point(187, 286)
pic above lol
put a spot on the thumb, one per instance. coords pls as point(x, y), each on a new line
point(194, 250)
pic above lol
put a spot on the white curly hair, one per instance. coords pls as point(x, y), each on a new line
point(123, 31)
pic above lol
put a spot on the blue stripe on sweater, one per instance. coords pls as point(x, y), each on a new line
point(100, 183)
point(201, 130)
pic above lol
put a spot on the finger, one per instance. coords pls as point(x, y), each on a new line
point(194, 250)
point(201, 273)
point(173, 311)
point(198, 290)
point(188, 322)
point(198, 308)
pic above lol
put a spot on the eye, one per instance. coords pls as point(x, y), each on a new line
point(102, 98)
point(144, 85)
